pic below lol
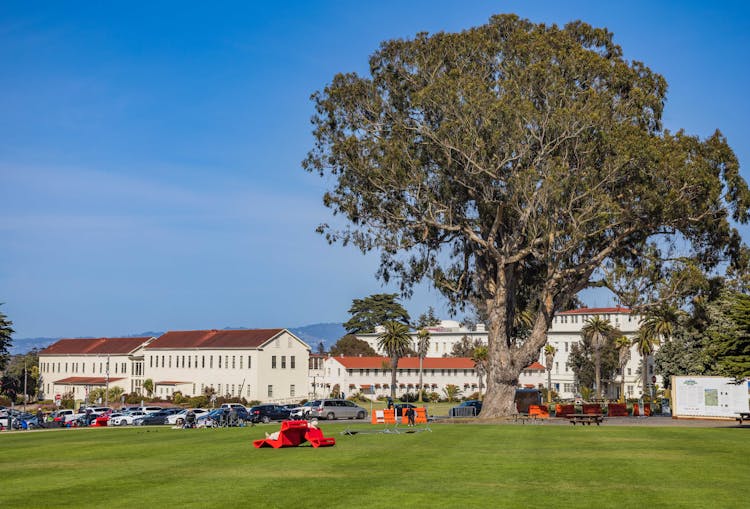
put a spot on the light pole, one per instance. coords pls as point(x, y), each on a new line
point(106, 379)
point(24, 385)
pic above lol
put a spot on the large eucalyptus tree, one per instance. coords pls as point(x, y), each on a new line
point(514, 164)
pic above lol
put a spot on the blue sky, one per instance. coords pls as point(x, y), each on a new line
point(150, 151)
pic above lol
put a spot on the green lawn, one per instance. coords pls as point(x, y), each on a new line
point(457, 465)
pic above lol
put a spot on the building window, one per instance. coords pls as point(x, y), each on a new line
point(292, 362)
point(276, 344)
point(226, 362)
point(630, 390)
point(150, 362)
point(189, 364)
point(629, 371)
point(283, 362)
point(203, 364)
point(240, 362)
point(210, 362)
point(162, 361)
point(291, 389)
point(219, 356)
point(249, 364)
point(233, 360)
point(273, 362)
point(219, 390)
point(289, 344)
point(270, 391)
point(248, 391)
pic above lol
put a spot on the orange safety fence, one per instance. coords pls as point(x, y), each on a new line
point(592, 408)
point(539, 411)
point(385, 416)
point(617, 409)
point(564, 410)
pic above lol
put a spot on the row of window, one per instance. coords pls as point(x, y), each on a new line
point(192, 361)
point(292, 362)
point(584, 318)
point(116, 368)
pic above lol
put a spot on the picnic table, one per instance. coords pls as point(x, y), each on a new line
point(743, 416)
point(585, 419)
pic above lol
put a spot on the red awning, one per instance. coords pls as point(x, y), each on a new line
point(365, 386)
point(377, 386)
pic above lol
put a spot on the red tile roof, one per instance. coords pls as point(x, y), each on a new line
point(97, 346)
point(413, 363)
point(86, 380)
point(406, 362)
point(252, 338)
point(595, 311)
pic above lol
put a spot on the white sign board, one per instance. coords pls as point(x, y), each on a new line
point(708, 396)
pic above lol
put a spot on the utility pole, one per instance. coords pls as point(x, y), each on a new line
point(106, 390)
point(24, 385)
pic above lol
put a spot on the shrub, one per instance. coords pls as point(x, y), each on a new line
point(198, 401)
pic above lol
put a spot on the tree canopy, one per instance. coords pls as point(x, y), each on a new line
point(351, 346)
point(6, 340)
point(515, 164)
point(377, 309)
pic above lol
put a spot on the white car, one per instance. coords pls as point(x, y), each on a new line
point(301, 412)
point(179, 417)
point(125, 419)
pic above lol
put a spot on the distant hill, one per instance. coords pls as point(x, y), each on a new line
point(313, 334)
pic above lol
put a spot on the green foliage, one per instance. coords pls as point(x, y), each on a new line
point(375, 310)
point(465, 347)
point(427, 319)
point(148, 386)
point(6, 340)
point(514, 163)
point(395, 342)
point(67, 400)
point(582, 359)
point(452, 392)
point(197, 402)
point(713, 340)
point(350, 346)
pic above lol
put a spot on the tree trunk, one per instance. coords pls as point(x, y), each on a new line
point(597, 372)
point(421, 387)
point(506, 359)
point(394, 366)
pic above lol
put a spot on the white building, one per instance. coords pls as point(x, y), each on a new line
point(79, 365)
point(259, 364)
point(563, 334)
point(256, 364)
point(371, 376)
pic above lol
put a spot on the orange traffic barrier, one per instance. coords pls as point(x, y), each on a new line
point(539, 411)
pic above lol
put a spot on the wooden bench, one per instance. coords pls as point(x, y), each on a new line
point(585, 419)
point(743, 416)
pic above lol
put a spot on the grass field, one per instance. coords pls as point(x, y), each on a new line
point(468, 465)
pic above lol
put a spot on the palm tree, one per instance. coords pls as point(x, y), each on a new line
point(659, 325)
point(395, 342)
point(596, 330)
point(645, 341)
point(423, 345)
point(623, 350)
point(549, 357)
point(148, 386)
point(480, 362)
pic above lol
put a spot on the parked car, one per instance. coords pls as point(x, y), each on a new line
point(150, 409)
point(156, 418)
point(301, 412)
point(233, 405)
point(126, 419)
point(336, 409)
point(469, 408)
point(268, 412)
point(179, 417)
point(401, 408)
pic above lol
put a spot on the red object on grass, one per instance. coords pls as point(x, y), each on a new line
point(295, 433)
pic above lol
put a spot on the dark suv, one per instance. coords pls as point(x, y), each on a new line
point(268, 413)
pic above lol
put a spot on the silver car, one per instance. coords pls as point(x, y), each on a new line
point(336, 409)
